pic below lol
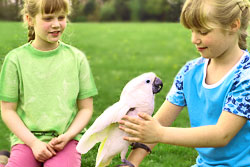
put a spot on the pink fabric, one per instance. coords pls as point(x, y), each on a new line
point(22, 156)
point(68, 157)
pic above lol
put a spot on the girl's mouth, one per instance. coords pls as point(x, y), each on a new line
point(200, 49)
point(55, 33)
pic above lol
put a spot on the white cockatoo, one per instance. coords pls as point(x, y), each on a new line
point(137, 96)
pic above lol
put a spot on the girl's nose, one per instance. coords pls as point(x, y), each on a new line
point(55, 23)
point(195, 38)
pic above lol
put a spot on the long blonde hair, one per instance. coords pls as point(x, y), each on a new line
point(33, 7)
point(206, 14)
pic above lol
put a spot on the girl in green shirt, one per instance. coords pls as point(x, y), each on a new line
point(46, 89)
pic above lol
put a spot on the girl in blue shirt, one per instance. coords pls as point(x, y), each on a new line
point(215, 88)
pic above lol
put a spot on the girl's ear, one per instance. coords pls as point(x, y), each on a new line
point(235, 26)
point(29, 20)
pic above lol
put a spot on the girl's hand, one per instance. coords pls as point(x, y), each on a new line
point(58, 143)
point(42, 151)
point(144, 130)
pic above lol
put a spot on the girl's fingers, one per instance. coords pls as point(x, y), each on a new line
point(131, 119)
point(51, 149)
point(145, 116)
point(48, 154)
point(135, 121)
point(55, 141)
point(42, 158)
point(130, 131)
point(132, 139)
point(129, 124)
point(58, 147)
point(52, 141)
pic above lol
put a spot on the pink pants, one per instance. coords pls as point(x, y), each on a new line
point(22, 156)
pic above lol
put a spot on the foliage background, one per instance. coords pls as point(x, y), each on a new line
point(107, 10)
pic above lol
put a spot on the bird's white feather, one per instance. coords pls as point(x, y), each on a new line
point(137, 96)
point(97, 132)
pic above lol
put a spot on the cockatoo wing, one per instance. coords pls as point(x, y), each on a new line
point(102, 151)
point(98, 130)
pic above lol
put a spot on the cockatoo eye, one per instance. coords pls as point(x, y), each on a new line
point(147, 81)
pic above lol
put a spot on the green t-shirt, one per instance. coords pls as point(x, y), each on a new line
point(46, 87)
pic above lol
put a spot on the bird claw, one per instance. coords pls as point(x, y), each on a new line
point(126, 163)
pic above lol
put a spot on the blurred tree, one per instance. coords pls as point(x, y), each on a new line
point(136, 10)
point(155, 9)
point(115, 10)
point(1, 7)
point(122, 10)
point(91, 10)
point(9, 10)
point(107, 12)
point(89, 7)
point(76, 14)
point(174, 10)
point(18, 6)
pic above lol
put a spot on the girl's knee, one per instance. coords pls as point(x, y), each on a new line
point(21, 155)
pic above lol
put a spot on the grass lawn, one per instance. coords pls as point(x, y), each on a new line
point(118, 52)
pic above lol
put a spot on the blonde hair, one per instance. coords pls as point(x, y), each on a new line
point(33, 7)
point(206, 14)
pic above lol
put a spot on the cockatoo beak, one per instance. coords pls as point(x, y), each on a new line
point(157, 85)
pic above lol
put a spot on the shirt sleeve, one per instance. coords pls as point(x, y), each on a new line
point(86, 80)
point(176, 93)
point(238, 99)
point(9, 80)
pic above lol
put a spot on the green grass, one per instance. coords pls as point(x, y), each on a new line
point(118, 52)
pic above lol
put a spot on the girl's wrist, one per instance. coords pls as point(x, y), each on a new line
point(69, 135)
point(32, 142)
point(161, 134)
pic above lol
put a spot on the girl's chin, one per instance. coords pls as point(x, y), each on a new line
point(53, 41)
point(206, 56)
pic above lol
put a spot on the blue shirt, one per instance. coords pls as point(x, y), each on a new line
point(206, 102)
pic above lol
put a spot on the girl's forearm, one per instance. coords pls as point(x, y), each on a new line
point(205, 136)
point(16, 125)
point(81, 120)
point(218, 135)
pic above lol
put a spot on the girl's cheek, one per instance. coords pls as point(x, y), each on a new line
point(64, 24)
point(46, 26)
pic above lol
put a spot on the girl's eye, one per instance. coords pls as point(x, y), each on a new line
point(47, 18)
point(204, 32)
point(61, 17)
point(147, 81)
point(201, 32)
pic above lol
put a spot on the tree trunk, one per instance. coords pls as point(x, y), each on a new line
point(17, 8)
point(5, 3)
